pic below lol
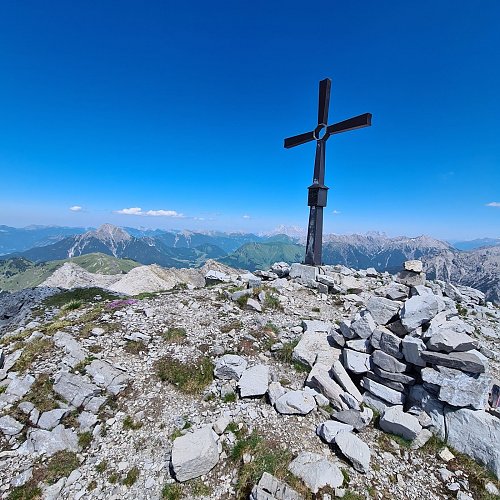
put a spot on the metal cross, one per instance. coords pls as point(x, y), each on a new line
point(318, 190)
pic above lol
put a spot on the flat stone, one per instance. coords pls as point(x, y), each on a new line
point(254, 381)
point(450, 341)
point(50, 419)
point(275, 391)
point(355, 450)
point(418, 310)
point(345, 329)
point(220, 425)
point(304, 274)
point(410, 278)
point(254, 304)
point(281, 269)
point(316, 344)
point(86, 420)
point(230, 366)
point(423, 436)
point(353, 418)
point(319, 378)
point(397, 386)
point(422, 399)
point(387, 362)
point(108, 376)
point(395, 291)
point(9, 426)
point(403, 378)
point(295, 403)
point(413, 265)
point(459, 388)
point(477, 434)
point(22, 478)
point(17, 389)
point(341, 376)
point(360, 345)
point(363, 324)
point(396, 421)
point(356, 362)
point(390, 344)
point(383, 392)
point(329, 429)
point(412, 350)
point(194, 454)
point(382, 310)
point(49, 442)
point(375, 402)
point(316, 471)
point(74, 351)
point(471, 361)
point(272, 488)
point(75, 389)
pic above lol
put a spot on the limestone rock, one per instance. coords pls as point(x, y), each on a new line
point(49, 442)
point(295, 403)
point(387, 362)
point(194, 454)
point(75, 389)
point(418, 310)
point(319, 378)
point(410, 278)
point(381, 309)
point(107, 376)
point(356, 362)
point(459, 388)
point(329, 429)
point(230, 366)
point(420, 398)
point(50, 419)
point(9, 426)
point(354, 418)
point(477, 434)
point(363, 324)
point(275, 391)
point(412, 349)
point(355, 450)
point(413, 265)
point(316, 344)
point(316, 471)
point(271, 488)
point(450, 341)
point(471, 361)
point(396, 421)
point(390, 344)
point(304, 274)
point(342, 377)
point(383, 392)
point(254, 381)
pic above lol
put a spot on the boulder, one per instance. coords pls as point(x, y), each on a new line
point(451, 341)
point(316, 344)
point(304, 274)
point(282, 269)
point(356, 362)
point(422, 400)
point(194, 454)
point(275, 391)
point(295, 403)
point(381, 309)
point(363, 324)
point(354, 418)
point(418, 310)
point(403, 378)
point(272, 488)
point(254, 381)
point(375, 402)
point(342, 377)
point(105, 375)
point(396, 421)
point(387, 362)
point(50, 419)
point(355, 450)
point(254, 304)
point(410, 278)
point(412, 349)
point(316, 471)
point(459, 388)
point(345, 329)
point(230, 367)
point(360, 345)
point(477, 434)
point(397, 386)
point(329, 429)
point(319, 378)
point(390, 344)
point(471, 361)
point(75, 389)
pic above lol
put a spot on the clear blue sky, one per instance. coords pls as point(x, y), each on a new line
point(182, 107)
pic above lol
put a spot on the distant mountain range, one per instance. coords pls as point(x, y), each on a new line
point(479, 267)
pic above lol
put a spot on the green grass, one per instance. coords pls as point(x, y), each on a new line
point(267, 457)
point(28, 491)
point(316, 309)
point(190, 378)
point(130, 424)
point(39, 348)
point(81, 366)
point(230, 397)
point(272, 302)
point(134, 347)
point(199, 488)
point(72, 305)
point(101, 466)
point(175, 334)
point(233, 325)
point(78, 294)
point(61, 465)
point(85, 439)
point(113, 478)
point(172, 492)
point(41, 394)
point(131, 477)
point(285, 353)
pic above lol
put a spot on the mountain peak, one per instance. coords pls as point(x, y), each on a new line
point(109, 232)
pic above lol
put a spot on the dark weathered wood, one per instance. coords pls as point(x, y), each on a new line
point(317, 190)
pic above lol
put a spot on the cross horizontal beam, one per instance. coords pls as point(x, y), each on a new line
point(297, 140)
point(364, 120)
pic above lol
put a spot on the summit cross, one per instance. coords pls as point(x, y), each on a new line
point(318, 190)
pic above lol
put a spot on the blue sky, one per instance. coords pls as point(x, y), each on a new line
point(180, 109)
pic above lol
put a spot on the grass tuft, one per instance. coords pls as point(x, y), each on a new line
point(78, 294)
point(61, 464)
point(175, 334)
point(33, 351)
point(131, 477)
point(130, 424)
point(172, 492)
point(190, 378)
point(41, 394)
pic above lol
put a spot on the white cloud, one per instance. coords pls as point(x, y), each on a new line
point(493, 204)
point(246, 216)
point(149, 213)
point(336, 212)
point(76, 208)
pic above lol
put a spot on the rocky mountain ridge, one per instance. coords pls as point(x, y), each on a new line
point(263, 385)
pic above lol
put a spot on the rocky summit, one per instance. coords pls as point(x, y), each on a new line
point(292, 382)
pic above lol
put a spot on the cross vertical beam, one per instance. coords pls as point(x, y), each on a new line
point(317, 190)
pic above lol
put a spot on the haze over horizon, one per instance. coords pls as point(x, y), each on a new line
point(173, 116)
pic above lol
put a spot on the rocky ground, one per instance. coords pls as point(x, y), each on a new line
point(112, 398)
